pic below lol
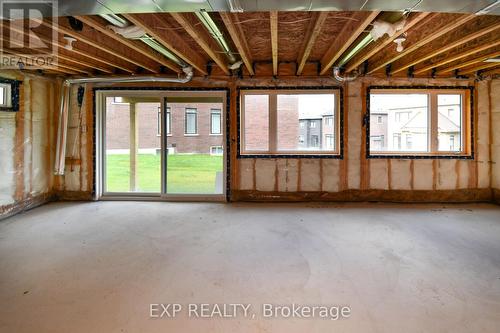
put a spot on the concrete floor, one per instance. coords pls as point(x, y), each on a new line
point(97, 267)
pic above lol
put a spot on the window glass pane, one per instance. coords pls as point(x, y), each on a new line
point(132, 146)
point(190, 121)
point(306, 122)
point(399, 122)
point(169, 121)
point(2, 95)
point(450, 122)
point(215, 122)
point(256, 122)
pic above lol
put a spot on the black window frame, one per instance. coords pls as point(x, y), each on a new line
point(464, 156)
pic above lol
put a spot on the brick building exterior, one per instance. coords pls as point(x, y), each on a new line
point(201, 141)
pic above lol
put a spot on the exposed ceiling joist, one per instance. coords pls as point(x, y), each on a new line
point(95, 58)
point(60, 55)
point(448, 47)
point(470, 62)
point(61, 67)
point(239, 40)
point(313, 30)
point(82, 38)
point(457, 57)
point(382, 43)
point(433, 35)
point(480, 67)
point(349, 34)
point(274, 40)
point(134, 45)
point(202, 38)
point(171, 40)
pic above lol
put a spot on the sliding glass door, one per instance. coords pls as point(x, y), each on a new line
point(195, 145)
point(161, 144)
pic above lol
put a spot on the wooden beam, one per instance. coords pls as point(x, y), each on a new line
point(313, 30)
point(480, 67)
point(448, 47)
point(59, 54)
point(457, 57)
point(202, 38)
point(108, 49)
point(347, 36)
point(433, 35)
point(151, 23)
point(134, 45)
point(383, 42)
point(59, 67)
point(469, 63)
point(238, 36)
point(273, 16)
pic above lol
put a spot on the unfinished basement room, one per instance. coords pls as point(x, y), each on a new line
point(227, 166)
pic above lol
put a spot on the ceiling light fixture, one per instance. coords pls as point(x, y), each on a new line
point(399, 41)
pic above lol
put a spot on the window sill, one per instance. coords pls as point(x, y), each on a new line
point(292, 155)
point(409, 156)
point(215, 134)
point(191, 135)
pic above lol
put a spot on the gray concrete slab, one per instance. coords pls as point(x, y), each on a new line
point(97, 267)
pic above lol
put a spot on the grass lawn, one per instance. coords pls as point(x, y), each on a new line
point(185, 173)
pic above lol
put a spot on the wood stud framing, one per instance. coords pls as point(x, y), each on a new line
point(170, 40)
point(448, 47)
point(348, 36)
point(435, 34)
point(203, 39)
point(238, 36)
point(313, 31)
point(134, 45)
point(274, 40)
point(99, 49)
point(383, 42)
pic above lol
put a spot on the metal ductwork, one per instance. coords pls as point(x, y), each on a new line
point(207, 21)
point(336, 75)
point(120, 25)
point(62, 131)
point(97, 7)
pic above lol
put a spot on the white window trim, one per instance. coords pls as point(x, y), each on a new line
point(196, 121)
point(273, 122)
point(215, 111)
point(7, 95)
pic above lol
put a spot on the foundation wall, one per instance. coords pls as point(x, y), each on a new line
point(356, 178)
point(353, 178)
point(494, 98)
point(27, 146)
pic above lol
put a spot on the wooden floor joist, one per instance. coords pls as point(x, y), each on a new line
point(313, 30)
point(470, 62)
point(171, 40)
point(106, 48)
point(202, 38)
point(383, 42)
point(463, 40)
point(273, 17)
point(458, 56)
point(239, 40)
point(348, 35)
point(484, 65)
point(433, 35)
point(134, 45)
